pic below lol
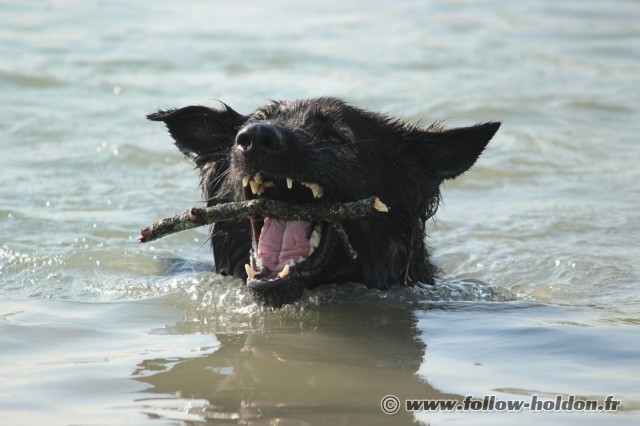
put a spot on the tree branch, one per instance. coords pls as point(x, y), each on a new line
point(264, 207)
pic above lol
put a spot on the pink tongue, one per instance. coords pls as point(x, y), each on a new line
point(282, 241)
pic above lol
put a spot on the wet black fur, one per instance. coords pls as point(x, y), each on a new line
point(353, 154)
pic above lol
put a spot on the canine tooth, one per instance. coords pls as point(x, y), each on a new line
point(380, 206)
point(245, 181)
point(314, 240)
point(255, 186)
point(284, 272)
point(250, 272)
point(289, 183)
point(317, 190)
point(311, 250)
point(258, 177)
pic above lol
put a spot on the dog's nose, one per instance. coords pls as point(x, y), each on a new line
point(260, 138)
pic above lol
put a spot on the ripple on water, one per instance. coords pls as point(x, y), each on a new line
point(224, 305)
point(31, 81)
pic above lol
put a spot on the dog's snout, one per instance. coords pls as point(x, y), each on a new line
point(260, 138)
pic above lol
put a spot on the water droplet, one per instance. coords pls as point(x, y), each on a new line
point(95, 226)
point(557, 262)
point(116, 152)
point(48, 203)
point(117, 90)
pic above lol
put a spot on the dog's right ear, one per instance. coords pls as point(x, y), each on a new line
point(203, 134)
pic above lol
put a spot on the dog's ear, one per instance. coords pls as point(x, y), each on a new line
point(451, 152)
point(201, 133)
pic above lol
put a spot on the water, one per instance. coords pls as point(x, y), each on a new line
point(538, 243)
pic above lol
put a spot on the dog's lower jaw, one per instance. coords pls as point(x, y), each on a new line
point(334, 267)
point(277, 296)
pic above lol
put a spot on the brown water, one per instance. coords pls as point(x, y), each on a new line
point(538, 243)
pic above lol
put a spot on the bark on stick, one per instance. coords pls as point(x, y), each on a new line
point(260, 208)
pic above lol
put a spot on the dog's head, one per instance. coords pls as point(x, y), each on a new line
point(317, 151)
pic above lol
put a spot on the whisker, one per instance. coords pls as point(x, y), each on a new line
point(206, 241)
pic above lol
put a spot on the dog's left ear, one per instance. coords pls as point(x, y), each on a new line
point(451, 152)
point(201, 133)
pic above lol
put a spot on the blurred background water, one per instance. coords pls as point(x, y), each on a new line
point(538, 242)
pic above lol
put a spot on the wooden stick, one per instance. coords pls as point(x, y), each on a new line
point(337, 226)
point(260, 208)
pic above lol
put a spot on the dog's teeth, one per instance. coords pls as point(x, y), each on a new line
point(245, 181)
point(380, 206)
point(258, 177)
point(289, 183)
point(301, 259)
point(284, 272)
point(292, 262)
point(268, 184)
point(261, 189)
point(317, 190)
point(255, 186)
point(314, 240)
point(250, 272)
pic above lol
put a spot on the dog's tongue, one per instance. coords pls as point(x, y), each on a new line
point(282, 241)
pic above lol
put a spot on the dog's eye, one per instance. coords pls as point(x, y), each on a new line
point(334, 137)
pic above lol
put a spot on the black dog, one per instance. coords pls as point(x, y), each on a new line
point(322, 150)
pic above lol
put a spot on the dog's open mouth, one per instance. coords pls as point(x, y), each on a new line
point(283, 250)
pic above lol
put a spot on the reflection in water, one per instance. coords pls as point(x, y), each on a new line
point(324, 363)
